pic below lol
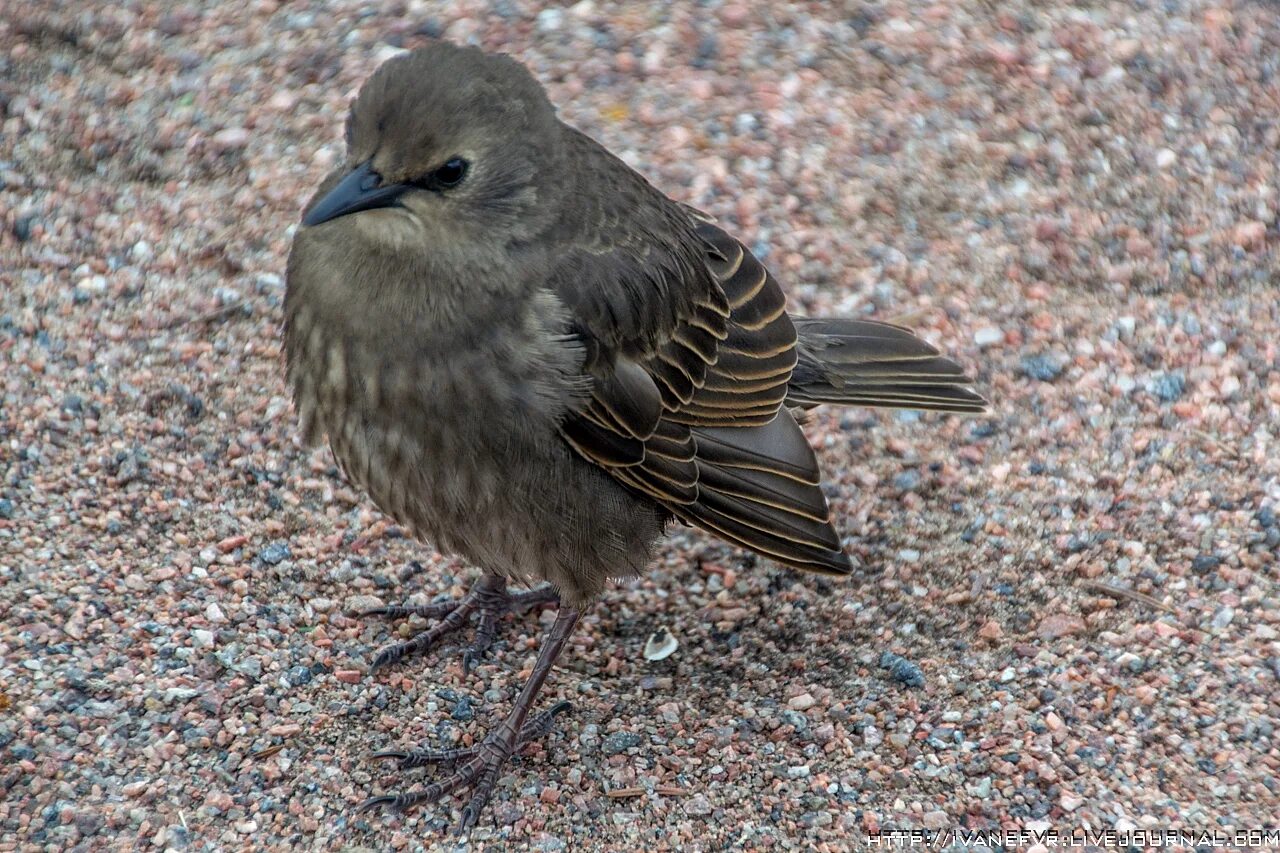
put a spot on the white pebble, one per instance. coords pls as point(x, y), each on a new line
point(231, 137)
point(550, 20)
point(988, 336)
point(93, 284)
point(803, 702)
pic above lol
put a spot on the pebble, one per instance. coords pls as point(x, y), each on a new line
point(1057, 625)
point(1167, 386)
point(549, 20)
point(231, 138)
point(902, 670)
point(1251, 234)
point(803, 702)
point(988, 336)
point(1044, 367)
point(357, 604)
point(620, 742)
point(275, 553)
point(1205, 563)
point(698, 805)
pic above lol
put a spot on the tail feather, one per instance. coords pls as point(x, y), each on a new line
point(868, 363)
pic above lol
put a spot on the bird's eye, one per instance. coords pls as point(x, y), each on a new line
point(450, 174)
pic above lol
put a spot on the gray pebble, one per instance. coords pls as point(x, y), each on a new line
point(902, 670)
point(275, 553)
point(1044, 367)
point(1205, 563)
point(620, 742)
point(1167, 386)
point(907, 481)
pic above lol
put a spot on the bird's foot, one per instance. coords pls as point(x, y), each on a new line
point(476, 766)
point(488, 597)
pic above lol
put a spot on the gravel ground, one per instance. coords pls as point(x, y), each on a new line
point(1080, 589)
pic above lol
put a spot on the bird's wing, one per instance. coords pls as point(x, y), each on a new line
point(690, 351)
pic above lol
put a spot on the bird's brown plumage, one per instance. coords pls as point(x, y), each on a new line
point(667, 358)
point(529, 355)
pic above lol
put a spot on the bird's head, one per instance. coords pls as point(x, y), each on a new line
point(445, 144)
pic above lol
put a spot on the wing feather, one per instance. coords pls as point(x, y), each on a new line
point(690, 353)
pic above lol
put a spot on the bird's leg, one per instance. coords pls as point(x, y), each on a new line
point(488, 597)
point(478, 767)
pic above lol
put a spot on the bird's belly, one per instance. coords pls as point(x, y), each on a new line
point(460, 445)
point(506, 494)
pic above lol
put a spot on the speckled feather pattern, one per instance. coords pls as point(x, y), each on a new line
point(458, 443)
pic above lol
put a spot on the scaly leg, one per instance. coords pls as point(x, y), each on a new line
point(488, 597)
point(478, 767)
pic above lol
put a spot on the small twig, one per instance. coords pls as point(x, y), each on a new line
point(209, 316)
point(1218, 443)
point(664, 790)
point(267, 752)
point(623, 793)
point(1131, 594)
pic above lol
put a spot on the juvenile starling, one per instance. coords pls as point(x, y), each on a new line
point(529, 356)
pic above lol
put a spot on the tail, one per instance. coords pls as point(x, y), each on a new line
point(867, 363)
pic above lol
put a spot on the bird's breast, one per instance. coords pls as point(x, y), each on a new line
point(429, 431)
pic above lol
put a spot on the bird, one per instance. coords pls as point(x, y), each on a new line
point(532, 358)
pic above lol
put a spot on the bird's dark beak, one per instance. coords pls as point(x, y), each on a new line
point(362, 189)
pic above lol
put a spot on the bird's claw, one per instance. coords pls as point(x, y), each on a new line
point(477, 766)
point(488, 597)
